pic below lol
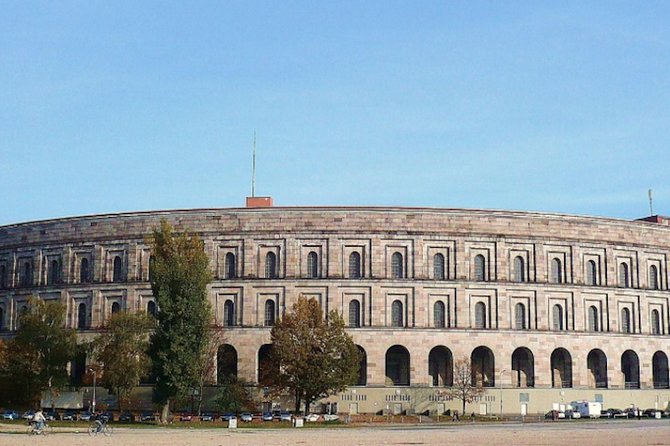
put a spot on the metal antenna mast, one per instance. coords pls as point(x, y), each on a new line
point(253, 169)
point(651, 204)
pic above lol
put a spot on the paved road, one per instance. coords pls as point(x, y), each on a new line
point(578, 433)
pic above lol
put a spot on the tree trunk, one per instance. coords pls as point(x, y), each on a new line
point(298, 400)
point(307, 402)
point(165, 412)
point(463, 407)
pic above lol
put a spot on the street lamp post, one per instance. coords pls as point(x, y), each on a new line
point(93, 400)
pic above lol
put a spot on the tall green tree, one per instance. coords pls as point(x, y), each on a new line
point(39, 353)
point(313, 357)
point(122, 353)
point(179, 277)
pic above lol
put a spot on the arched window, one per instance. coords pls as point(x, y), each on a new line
point(480, 315)
point(520, 316)
point(229, 313)
point(438, 267)
point(312, 265)
point(480, 268)
point(81, 316)
point(229, 266)
point(438, 314)
point(270, 265)
point(625, 320)
point(117, 275)
point(591, 273)
point(557, 316)
point(116, 307)
point(54, 273)
point(593, 318)
point(151, 308)
point(27, 276)
point(397, 270)
point(556, 271)
point(355, 265)
point(354, 313)
point(624, 279)
point(519, 269)
point(655, 322)
point(269, 313)
point(84, 273)
point(653, 277)
point(3, 277)
point(396, 314)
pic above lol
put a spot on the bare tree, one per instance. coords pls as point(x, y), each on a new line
point(463, 388)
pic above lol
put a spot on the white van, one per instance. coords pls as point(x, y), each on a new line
point(587, 409)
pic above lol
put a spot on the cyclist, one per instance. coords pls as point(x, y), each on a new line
point(39, 420)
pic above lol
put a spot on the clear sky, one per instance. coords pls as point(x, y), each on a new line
point(110, 106)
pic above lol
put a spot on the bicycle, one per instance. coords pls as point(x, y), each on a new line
point(33, 428)
point(100, 426)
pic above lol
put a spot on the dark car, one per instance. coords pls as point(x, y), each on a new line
point(85, 416)
point(207, 416)
point(651, 413)
point(147, 416)
point(126, 417)
point(267, 416)
point(186, 417)
point(228, 416)
point(630, 412)
point(107, 415)
point(10, 415)
point(70, 415)
point(51, 415)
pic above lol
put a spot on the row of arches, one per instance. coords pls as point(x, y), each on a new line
point(441, 367)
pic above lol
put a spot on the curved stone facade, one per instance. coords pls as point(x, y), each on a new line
point(537, 301)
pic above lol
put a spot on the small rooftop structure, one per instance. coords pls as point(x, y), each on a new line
point(259, 202)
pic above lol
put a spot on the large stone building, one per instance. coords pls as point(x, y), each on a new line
point(550, 308)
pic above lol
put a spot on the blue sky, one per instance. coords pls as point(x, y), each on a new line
point(110, 106)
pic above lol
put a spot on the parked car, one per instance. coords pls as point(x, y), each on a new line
point(284, 416)
point(228, 416)
point(10, 415)
point(207, 416)
point(147, 416)
point(126, 417)
point(70, 415)
point(246, 417)
point(630, 412)
point(267, 416)
point(651, 413)
point(52, 415)
point(85, 416)
point(106, 415)
point(186, 417)
point(572, 414)
point(331, 417)
point(312, 418)
point(28, 415)
point(554, 414)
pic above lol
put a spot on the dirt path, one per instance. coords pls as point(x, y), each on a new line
point(631, 433)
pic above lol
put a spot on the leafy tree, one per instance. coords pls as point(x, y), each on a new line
point(40, 352)
point(463, 388)
point(179, 277)
point(234, 396)
point(122, 353)
point(314, 357)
